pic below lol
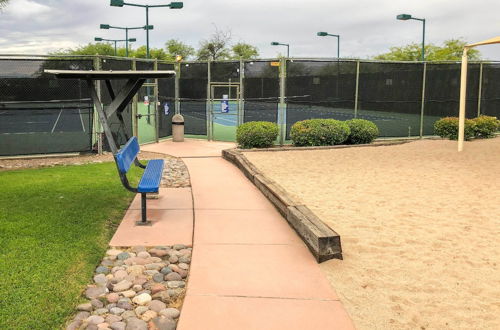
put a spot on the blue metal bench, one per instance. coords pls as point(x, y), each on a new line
point(151, 178)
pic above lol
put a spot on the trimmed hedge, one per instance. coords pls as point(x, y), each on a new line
point(256, 134)
point(362, 131)
point(480, 127)
point(485, 126)
point(319, 132)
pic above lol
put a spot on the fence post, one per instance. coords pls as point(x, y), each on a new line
point(156, 104)
point(479, 92)
point(97, 123)
point(135, 126)
point(241, 103)
point(177, 102)
point(282, 104)
point(422, 105)
point(356, 91)
point(209, 103)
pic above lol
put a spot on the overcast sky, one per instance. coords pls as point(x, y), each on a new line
point(366, 27)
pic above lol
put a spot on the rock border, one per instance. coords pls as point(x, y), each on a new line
point(323, 242)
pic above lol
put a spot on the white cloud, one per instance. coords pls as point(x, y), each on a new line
point(366, 27)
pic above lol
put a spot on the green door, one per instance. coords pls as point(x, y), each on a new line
point(146, 117)
point(224, 111)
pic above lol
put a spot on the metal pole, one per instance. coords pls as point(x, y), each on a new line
point(115, 47)
point(209, 103)
point(422, 106)
point(463, 93)
point(147, 31)
point(155, 108)
point(177, 67)
point(126, 42)
point(356, 92)
point(282, 105)
point(338, 47)
point(479, 92)
point(135, 120)
point(423, 40)
point(97, 122)
point(288, 51)
point(241, 103)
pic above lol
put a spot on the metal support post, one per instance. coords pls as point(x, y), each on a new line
point(480, 89)
point(422, 105)
point(241, 102)
point(97, 123)
point(177, 68)
point(209, 104)
point(157, 104)
point(135, 120)
point(282, 104)
point(356, 91)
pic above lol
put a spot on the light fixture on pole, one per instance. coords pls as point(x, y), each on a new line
point(115, 40)
point(107, 27)
point(324, 34)
point(172, 5)
point(275, 43)
point(405, 17)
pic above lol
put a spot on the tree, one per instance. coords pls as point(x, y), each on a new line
point(98, 48)
point(3, 3)
point(244, 51)
point(158, 53)
point(450, 51)
point(176, 47)
point(215, 48)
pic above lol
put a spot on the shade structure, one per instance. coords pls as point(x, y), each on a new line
point(463, 88)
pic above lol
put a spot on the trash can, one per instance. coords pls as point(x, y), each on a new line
point(177, 128)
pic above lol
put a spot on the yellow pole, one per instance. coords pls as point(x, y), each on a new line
point(463, 94)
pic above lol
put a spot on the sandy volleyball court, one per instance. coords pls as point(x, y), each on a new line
point(420, 228)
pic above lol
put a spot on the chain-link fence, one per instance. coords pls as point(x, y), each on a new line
point(41, 114)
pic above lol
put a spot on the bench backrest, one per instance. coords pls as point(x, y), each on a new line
point(125, 157)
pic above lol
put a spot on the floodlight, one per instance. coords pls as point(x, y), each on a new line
point(176, 5)
point(132, 39)
point(148, 27)
point(116, 3)
point(97, 39)
point(322, 34)
point(105, 26)
point(275, 43)
point(403, 17)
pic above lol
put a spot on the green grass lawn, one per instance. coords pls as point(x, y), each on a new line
point(55, 224)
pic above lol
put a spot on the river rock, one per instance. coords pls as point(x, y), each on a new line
point(142, 299)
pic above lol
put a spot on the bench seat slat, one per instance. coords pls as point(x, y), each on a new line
point(150, 181)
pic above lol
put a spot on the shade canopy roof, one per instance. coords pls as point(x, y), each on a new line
point(495, 40)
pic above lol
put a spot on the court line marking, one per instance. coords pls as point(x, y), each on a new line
point(55, 124)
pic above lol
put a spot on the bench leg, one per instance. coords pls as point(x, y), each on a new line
point(144, 221)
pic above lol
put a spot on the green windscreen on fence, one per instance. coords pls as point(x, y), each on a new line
point(166, 99)
point(261, 91)
point(193, 82)
point(319, 89)
point(42, 114)
point(490, 93)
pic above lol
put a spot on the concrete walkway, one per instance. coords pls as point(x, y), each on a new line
point(249, 269)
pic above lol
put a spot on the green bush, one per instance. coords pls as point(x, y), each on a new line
point(319, 132)
point(256, 134)
point(448, 128)
point(485, 126)
point(362, 131)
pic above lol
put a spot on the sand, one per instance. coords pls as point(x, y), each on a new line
point(419, 225)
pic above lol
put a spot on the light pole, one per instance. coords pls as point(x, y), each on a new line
point(172, 5)
point(324, 34)
point(115, 40)
point(107, 27)
point(405, 17)
point(275, 43)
